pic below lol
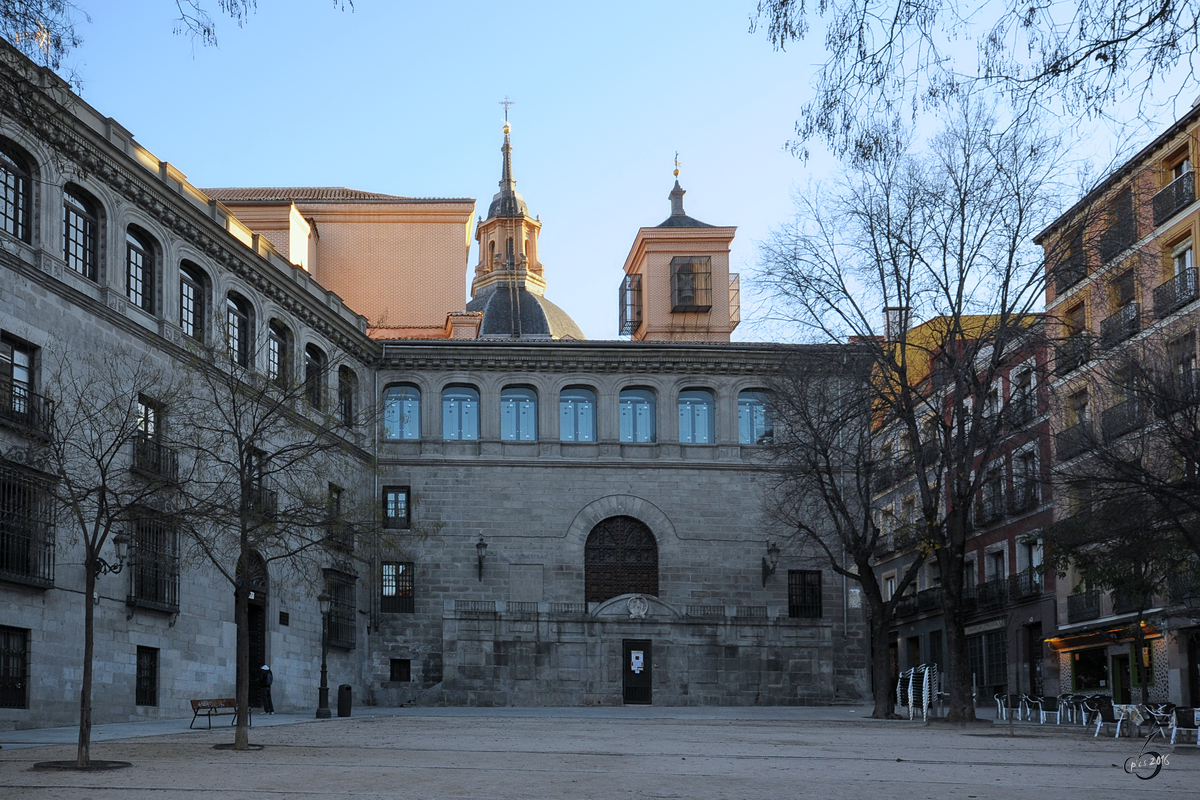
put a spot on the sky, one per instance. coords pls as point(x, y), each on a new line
point(403, 98)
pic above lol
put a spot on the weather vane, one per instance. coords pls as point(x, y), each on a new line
point(676, 163)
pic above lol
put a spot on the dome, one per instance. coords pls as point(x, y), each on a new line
point(534, 317)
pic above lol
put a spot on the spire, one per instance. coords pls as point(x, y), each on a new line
point(677, 199)
point(508, 201)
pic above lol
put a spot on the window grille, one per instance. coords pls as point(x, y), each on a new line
point(14, 668)
point(630, 304)
point(398, 592)
point(154, 576)
point(26, 528)
point(79, 234)
point(146, 690)
point(620, 557)
point(401, 671)
point(804, 593)
point(691, 283)
point(341, 609)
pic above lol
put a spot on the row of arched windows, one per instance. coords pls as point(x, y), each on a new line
point(577, 408)
point(233, 315)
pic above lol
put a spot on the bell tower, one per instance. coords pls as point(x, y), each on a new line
point(508, 238)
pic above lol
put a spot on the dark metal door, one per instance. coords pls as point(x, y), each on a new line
point(636, 679)
point(257, 618)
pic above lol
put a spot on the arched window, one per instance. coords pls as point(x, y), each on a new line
point(696, 416)
point(460, 413)
point(518, 414)
point(402, 413)
point(577, 414)
point(347, 389)
point(620, 557)
point(81, 224)
point(754, 417)
point(238, 320)
point(192, 294)
point(14, 193)
point(279, 353)
point(139, 269)
point(314, 376)
point(637, 415)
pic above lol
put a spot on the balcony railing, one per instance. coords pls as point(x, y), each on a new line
point(26, 529)
point(989, 596)
point(1019, 411)
point(1175, 196)
point(1024, 496)
point(1127, 603)
point(1074, 440)
point(154, 459)
point(1069, 272)
point(1122, 418)
point(1082, 607)
point(884, 477)
point(1024, 585)
point(1120, 326)
point(262, 501)
point(23, 408)
point(1118, 237)
point(929, 599)
point(1073, 352)
point(1179, 391)
point(1175, 292)
point(906, 606)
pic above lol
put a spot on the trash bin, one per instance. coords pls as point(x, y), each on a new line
point(344, 700)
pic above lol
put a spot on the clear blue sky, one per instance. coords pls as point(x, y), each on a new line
point(402, 98)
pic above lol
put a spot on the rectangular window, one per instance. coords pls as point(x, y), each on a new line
point(191, 306)
point(395, 507)
point(147, 676)
point(14, 667)
point(1089, 669)
point(26, 527)
point(139, 273)
point(691, 283)
point(18, 402)
point(154, 579)
point(397, 593)
point(401, 670)
point(338, 533)
point(804, 593)
point(342, 609)
point(1026, 480)
point(79, 236)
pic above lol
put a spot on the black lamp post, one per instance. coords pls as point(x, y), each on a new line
point(481, 549)
point(121, 545)
point(324, 601)
point(770, 562)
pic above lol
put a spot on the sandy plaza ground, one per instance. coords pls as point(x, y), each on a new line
point(613, 753)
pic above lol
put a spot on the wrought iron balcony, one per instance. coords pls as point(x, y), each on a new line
point(1083, 606)
point(989, 596)
point(1118, 237)
point(1074, 351)
point(884, 477)
point(1019, 411)
point(1122, 418)
point(23, 408)
point(1127, 603)
point(154, 459)
point(906, 606)
point(1074, 440)
point(262, 501)
point(1069, 272)
point(1024, 585)
point(1121, 325)
point(1179, 391)
point(1175, 292)
point(1024, 496)
point(1174, 197)
point(930, 599)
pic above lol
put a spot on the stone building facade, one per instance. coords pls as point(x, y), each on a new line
point(561, 521)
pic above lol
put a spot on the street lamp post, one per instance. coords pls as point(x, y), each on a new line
point(324, 601)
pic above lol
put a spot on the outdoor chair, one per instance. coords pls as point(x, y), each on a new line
point(1047, 706)
point(1104, 716)
point(1184, 719)
point(1028, 703)
point(1154, 718)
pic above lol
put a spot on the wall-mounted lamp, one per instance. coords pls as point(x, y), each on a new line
point(770, 561)
point(481, 549)
point(121, 544)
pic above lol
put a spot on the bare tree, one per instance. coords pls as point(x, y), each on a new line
point(886, 58)
point(113, 471)
point(943, 237)
point(277, 478)
point(825, 474)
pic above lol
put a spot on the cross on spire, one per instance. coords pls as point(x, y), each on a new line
point(507, 103)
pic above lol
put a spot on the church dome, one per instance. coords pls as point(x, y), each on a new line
point(510, 311)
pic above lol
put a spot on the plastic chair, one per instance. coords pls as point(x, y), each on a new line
point(1047, 706)
point(1184, 719)
point(1028, 703)
point(1105, 716)
point(1154, 718)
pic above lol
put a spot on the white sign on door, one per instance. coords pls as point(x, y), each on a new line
point(638, 661)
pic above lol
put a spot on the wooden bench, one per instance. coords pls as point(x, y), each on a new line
point(225, 705)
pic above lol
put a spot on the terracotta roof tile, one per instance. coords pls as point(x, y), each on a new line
point(318, 194)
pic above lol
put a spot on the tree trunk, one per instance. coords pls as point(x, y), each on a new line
point(83, 757)
point(1139, 642)
point(241, 738)
point(961, 703)
point(881, 665)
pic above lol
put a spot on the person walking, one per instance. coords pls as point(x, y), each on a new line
point(265, 679)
